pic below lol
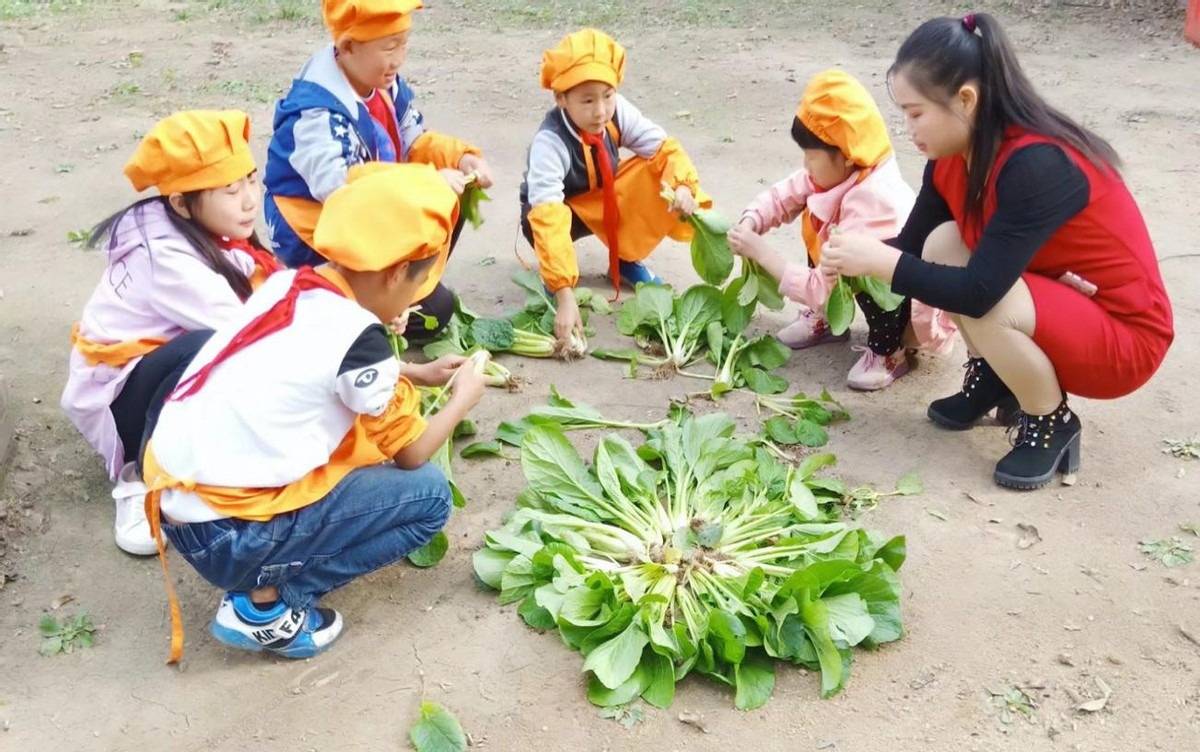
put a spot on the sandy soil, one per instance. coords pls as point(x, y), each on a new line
point(79, 86)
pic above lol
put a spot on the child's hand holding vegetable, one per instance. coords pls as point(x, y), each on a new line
point(745, 242)
point(434, 373)
point(685, 202)
point(469, 383)
point(567, 321)
point(477, 165)
point(456, 179)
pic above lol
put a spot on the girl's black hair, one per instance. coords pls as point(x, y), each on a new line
point(806, 139)
point(944, 54)
point(201, 239)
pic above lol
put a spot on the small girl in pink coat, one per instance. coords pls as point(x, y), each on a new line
point(179, 264)
point(850, 181)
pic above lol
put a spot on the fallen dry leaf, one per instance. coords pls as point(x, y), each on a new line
point(1098, 704)
point(695, 720)
point(1029, 536)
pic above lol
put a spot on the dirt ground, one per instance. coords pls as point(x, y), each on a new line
point(984, 615)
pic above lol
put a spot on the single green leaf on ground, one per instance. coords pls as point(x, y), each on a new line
point(431, 553)
point(437, 730)
point(482, 449)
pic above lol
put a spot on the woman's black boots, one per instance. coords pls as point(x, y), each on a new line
point(1043, 445)
point(982, 392)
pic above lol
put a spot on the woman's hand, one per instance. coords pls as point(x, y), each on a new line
point(854, 254)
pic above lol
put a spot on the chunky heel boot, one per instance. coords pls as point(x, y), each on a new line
point(982, 392)
point(1043, 445)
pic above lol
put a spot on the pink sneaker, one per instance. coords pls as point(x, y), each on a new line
point(874, 372)
point(809, 330)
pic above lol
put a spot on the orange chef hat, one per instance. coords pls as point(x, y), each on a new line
point(841, 112)
point(193, 151)
point(384, 214)
point(586, 55)
point(366, 20)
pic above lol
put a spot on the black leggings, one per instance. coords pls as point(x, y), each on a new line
point(885, 329)
point(156, 373)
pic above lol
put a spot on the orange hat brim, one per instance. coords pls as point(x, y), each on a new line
point(583, 73)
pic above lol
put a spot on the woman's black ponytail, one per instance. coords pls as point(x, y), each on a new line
point(944, 54)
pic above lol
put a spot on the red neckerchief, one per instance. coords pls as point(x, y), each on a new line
point(274, 319)
point(612, 212)
point(265, 259)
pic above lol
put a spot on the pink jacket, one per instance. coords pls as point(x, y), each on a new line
point(879, 205)
point(156, 285)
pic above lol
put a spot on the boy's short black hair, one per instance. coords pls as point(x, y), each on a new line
point(806, 139)
point(417, 268)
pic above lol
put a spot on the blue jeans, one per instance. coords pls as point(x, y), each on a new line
point(374, 517)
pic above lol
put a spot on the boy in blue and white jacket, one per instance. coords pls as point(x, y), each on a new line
point(348, 106)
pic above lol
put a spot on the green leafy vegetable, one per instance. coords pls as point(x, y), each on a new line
point(471, 197)
point(694, 552)
point(437, 730)
point(840, 308)
point(757, 287)
point(435, 550)
point(800, 419)
point(711, 255)
point(466, 333)
point(671, 331)
point(568, 415)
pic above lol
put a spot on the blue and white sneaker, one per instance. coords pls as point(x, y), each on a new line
point(280, 629)
point(633, 272)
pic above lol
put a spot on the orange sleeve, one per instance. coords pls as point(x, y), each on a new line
point(440, 150)
point(551, 225)
point(677, 166)
point(400, 424)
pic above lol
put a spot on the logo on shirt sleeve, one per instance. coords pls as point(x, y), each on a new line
point(366, 378)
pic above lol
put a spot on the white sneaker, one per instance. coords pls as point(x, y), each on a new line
point(279, 629)
point(131, 529)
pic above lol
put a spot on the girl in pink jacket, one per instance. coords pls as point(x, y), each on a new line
point(179, 264)
point(851, 182)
